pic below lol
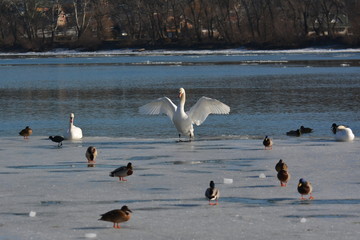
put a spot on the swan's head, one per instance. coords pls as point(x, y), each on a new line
point(333, 127)
point(181, 92)
point(72, 117)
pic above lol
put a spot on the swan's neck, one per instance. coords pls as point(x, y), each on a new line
point(182, 100)
point(71, 124)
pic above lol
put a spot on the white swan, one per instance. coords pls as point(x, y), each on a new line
point(182, 120)
point(344, 134)
point(73, 132)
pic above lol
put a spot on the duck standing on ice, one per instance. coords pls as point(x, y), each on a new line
point(117, 216)
point(212, 194)
point(182, 120)
point(305, 188)
point(91, 154)
point(122, 172)
point(26, 132)
point(73, 133)
point(267, 142)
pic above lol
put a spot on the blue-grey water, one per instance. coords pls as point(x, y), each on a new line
point(269, 92)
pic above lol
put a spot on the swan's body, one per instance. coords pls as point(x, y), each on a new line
point(182, 120)
point(212, 194)
point(73, 133)
point(342, 133)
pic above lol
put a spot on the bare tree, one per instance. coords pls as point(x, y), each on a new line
point(82, 14)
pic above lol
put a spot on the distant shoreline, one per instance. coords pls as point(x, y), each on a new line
point(118, 45)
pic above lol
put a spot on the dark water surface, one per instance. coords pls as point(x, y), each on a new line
point(269, 92)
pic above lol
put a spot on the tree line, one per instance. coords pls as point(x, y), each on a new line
point(93, 24)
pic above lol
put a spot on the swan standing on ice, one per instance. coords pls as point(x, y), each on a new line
point(73, 133)
point(182, 120)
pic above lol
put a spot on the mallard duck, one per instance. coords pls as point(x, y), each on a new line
point(267, 142)
point(117, 216)
point(284, 177)
point(91, 154)
point(342, 133)
point(295, 133)
point(305, 129)
point(26, 132)
point(281, 165)
point(212, 194)
point(182, 120)
point(73, 133)
point(122, 172)
point(305, 188)
point(57, 139)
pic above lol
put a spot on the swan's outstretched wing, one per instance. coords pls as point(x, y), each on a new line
point(158, 106)
point(205, 106)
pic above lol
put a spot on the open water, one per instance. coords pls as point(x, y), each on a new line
point(269, 92)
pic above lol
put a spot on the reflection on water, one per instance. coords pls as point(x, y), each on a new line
point(265, 99)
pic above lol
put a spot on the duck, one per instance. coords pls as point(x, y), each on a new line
point(305, 188)
point(305, 129)
point(57, 139)
point(283, 176)
point(183, 121)
point(212, 194)
point(26, 132)
point(117, 216)
point(281, 165)
point(73, 133)
point(342, 133)
point(91, 154)
point(122, 172)
point(267, 142)
point(296, 133)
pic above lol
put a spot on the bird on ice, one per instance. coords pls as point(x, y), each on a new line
point(281, 165)
point(212, 194)
point(117, 216)
point(26, 132)
point(73, 132)
point(57, 139)
point(305, 188)
point(342, 133)
point(283, 176)
point(267, 142)
point(91, 154)
point(182, 120)
point(122, 172)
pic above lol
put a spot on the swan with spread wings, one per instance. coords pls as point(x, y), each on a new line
point(182, 120)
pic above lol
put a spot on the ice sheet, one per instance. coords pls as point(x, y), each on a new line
point(166, 191)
